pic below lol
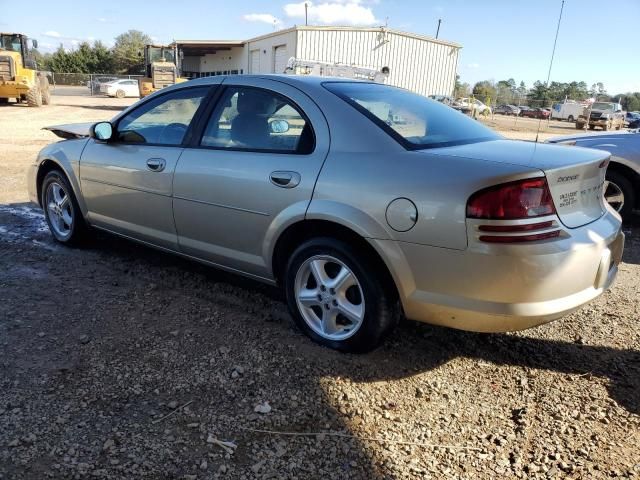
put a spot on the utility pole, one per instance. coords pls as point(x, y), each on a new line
point(306, 16)
point(438, 30)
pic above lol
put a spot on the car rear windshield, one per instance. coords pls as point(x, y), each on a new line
point(413, 120)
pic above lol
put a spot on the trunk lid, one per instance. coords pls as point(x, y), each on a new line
point(575, 175)
point(71, 130)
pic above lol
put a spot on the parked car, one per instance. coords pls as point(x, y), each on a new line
point(606, 115)
point(468, 104)
point(523, 108)
point(536, 113)
point(308, 183)
point(442, 99)
point(121, 88)
point(631, 118)
point(622, 187)
point(635, 123)
point(507, 110)
point(96, 82)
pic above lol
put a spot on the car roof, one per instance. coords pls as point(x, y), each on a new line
point(294, 80)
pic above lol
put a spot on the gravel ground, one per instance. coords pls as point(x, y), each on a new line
point(117, 361)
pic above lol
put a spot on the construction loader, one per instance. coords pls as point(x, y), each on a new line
point(20, 78)
point(162, 68)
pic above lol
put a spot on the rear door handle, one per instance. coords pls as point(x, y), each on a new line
point(285, 179)
point(156, 164)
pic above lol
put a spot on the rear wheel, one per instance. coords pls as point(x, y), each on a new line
point(120, 94)
point(570, 119)
point(619, 193)
point(337, 296)
point(61, 209)
point(34, 97)
point(4, 101)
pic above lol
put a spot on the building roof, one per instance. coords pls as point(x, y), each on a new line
point(193, 45)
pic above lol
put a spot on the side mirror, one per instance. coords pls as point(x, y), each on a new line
point(279, 126)
point(102, 131)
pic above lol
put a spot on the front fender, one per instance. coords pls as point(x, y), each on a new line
point(66, 156)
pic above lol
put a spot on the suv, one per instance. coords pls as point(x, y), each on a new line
point(607, 115)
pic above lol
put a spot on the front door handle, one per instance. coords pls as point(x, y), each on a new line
point(285, 179)
point(156, 164)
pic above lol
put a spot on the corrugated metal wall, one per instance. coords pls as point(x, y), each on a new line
point(424, 66)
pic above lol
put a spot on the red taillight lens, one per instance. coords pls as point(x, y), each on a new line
point(511, 201)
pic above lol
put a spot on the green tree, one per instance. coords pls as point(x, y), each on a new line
point(128, 49)
point(461, 89)
point(485, 91)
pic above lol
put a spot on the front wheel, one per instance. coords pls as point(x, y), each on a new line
point(61, 209)
point(338, 297)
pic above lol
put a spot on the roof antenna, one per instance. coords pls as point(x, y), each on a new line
point(306, 14)
point(553, 53)
point(438, 30)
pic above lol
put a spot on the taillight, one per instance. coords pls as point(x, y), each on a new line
point(512, 201)
point(519, 200)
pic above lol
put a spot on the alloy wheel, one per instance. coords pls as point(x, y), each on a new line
point(60, 210)
point(329, 297)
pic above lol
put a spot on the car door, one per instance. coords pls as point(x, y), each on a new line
point(127, 181)
point(252, 170)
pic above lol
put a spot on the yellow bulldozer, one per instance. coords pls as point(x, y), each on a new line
point(19, 75)
point(162, 68)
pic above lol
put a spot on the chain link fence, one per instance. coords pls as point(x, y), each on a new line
point(84, 84)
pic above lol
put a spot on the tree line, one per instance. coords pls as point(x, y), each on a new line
point(123, 58)
point(543, 95)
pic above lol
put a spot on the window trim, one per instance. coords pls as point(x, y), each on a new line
point(207, 115)
point(390, 131)
point(210, 91)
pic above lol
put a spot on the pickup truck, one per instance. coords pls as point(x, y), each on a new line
point(607, 115)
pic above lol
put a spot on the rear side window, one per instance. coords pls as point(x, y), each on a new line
point(255, 119)
point(413, 120)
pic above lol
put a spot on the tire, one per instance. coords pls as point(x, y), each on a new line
point(371, 301)
point(120, 94)
point(46, 92)
point(625, 186)
point(65, 220)
point(4, 101)
point(579, 126)
point(570, 118)
point(34, 97)
point(592, 127)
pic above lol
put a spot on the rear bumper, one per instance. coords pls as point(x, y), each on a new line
point(510, 287)
point(9, 89)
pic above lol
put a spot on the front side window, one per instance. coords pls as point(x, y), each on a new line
point(163, 120)
point(413, 120)
point(258, 120)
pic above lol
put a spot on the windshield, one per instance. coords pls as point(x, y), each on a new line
point(161, 54)
point(413, 120)
point(10, 42)
point(602, 106)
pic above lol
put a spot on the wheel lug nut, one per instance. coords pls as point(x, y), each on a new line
point(327, 306)
point(323, 288)
point(332, 291)
point(319, 297)
point(335, 302)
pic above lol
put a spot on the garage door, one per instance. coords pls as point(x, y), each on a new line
point(280, 59)
point(254, 61)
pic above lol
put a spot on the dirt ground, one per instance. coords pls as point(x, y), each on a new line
point(117, 361)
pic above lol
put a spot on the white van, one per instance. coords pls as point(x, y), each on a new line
point(568, 110)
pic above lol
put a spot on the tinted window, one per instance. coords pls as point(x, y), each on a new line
point(413, 120)
point(163, 120)
point(256, 119)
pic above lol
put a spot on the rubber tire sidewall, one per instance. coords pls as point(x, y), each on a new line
point(381, 312)
point(628, 191)
point(78, 229)
point(121, 94)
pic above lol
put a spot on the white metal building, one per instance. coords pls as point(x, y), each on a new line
point(422, 64)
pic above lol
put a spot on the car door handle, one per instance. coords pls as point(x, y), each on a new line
point(156, 164)
point(285, 179)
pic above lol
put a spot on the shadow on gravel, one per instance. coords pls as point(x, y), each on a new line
point(620, 367)
point(140, 328)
